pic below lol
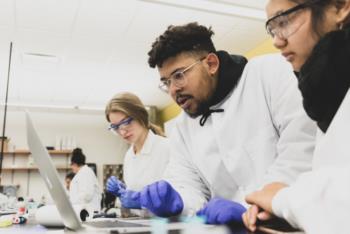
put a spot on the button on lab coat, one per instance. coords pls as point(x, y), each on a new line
point(319, 201)
point(149, 164)
point(263, 135)
point(84, 190)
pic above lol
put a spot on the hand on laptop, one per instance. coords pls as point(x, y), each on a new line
point(261, 202)
point(161, 199)
point(115, 186)
point(221, 211)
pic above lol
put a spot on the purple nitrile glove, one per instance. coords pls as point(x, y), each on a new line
point(221, 211)
point(161, 199)
point(130, 199)
point(115, 186)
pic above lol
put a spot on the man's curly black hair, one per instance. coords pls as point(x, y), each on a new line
point(190, 37)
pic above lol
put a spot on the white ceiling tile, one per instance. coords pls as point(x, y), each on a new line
point(152, 19)
point(35, 85)
point(50, 15)
point(101, 47)
point(7, 10)
point(104, 17)
point(136, 54)
point(219, 24)
point(259, 4)
point(97, 47)
point(41, 42)
point(80, 67)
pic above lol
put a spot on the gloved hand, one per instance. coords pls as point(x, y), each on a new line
point(221, 211)
point(129, 200)
point(115, 186)
point(161, 199)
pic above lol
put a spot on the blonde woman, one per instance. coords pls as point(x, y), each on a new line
point(148, 155)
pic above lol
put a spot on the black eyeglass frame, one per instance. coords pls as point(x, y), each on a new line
point(287, 12)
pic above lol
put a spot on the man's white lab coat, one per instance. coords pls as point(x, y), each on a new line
point(262, 136)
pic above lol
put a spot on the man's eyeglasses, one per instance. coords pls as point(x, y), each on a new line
point(115, 128)
point(283, 25)
point(178, 78)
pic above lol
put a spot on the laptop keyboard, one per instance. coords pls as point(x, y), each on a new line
point(112, 224)
point(7, 212)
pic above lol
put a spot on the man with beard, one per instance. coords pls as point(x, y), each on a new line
point(243, 127)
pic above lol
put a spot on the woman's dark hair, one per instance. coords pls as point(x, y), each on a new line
point(317, 8)
point(78, 157)
point(70, 175)
point(190, 37)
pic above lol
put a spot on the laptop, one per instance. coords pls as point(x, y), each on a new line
point(53, 183)
point(50, 176)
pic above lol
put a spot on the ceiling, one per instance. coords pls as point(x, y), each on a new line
point(78, 53)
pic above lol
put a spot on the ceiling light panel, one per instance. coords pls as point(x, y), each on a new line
point(215, 7)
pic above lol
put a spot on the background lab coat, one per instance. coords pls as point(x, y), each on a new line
point(84, 189)
point(264, 135)
point(148, 165)
point(319, 201)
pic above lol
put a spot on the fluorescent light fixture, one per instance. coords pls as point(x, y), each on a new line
point(215, 7)
point(39, 61)
point(68, 108)
point(54, 107)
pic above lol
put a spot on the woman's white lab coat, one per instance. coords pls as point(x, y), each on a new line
point(262, 136)
point(319, 201)
point(149, 164)
point(84, 190)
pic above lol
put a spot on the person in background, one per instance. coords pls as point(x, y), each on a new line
point(84, 189)
point(148, 155)
point(314, 36)
point(240, 129)
point(69, 177)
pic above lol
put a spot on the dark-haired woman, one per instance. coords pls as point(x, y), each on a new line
point(84, 189)
point(314, 36)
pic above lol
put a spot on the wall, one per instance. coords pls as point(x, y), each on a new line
point(89, 130)
point(169, 112)
point(173, 109)
point(264, 48)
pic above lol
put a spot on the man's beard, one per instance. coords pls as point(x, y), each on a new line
point(202, 107)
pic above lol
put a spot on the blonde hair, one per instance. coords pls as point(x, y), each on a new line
point(131, 105)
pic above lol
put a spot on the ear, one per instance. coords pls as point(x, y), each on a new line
point(213, 63)
point(343, 12)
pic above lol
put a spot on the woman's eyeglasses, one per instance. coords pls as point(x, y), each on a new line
point(115, 128)
point(285, 24)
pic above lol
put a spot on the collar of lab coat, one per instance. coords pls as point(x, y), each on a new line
point(230, 71)
point(84, 168)
point(324, 79)
point(147, 146)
